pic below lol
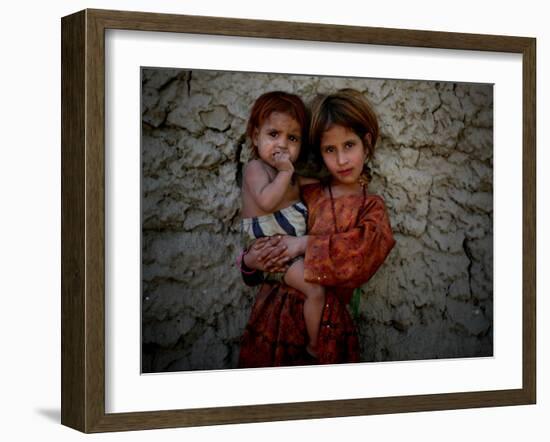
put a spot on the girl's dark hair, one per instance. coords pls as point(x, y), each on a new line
point(347, 108)
point(278, 101)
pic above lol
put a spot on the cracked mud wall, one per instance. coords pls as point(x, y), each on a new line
point(432, 298)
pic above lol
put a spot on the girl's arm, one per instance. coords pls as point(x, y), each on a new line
point(266, 194)
point(349, 259)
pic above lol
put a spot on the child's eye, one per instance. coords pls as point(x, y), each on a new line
point(273, 133)
point(329, 149)
point(349, 145)
point(294, 139)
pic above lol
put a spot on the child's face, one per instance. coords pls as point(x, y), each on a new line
point(279, 133)
point(343, 153)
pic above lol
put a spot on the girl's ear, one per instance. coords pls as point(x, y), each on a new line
point(367, 145)
point(255, 134)
point(368, 139)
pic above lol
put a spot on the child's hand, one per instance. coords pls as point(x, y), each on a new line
point(282, 162)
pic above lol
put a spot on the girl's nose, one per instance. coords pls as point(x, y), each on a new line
point(341, 158)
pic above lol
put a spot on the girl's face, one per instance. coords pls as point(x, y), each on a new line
point(344, 154)
point(279, 133)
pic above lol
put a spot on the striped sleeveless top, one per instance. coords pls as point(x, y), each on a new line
point(291, 220)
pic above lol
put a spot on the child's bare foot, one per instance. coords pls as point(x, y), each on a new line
point(312, 351)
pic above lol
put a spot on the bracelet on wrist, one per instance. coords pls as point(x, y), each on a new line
point(242, 266)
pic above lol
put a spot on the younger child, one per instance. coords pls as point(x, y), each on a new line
point(270, 193)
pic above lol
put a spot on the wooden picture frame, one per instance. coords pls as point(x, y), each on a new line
point(83, 220)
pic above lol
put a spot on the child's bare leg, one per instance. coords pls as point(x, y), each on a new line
point(313, 305)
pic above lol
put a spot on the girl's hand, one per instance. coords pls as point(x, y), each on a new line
point(289, 247)
point(264, 250)
point(295, 246)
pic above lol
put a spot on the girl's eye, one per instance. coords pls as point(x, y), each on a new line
point(329, 149)
point(273, 134)
point(349, 145)
point(293, 138)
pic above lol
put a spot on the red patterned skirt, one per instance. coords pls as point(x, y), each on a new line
point(276, 333)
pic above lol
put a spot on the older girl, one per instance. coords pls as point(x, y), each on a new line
point(349, 236)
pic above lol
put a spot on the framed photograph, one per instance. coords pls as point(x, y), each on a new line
point(159, 328)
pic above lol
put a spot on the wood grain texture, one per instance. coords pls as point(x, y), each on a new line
point(307, 410)
point(73, 258)
point(307, 31)
point(529, 220)
point(95, 221)
point(83, 220)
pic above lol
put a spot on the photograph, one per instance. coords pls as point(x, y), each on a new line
point(298, 220)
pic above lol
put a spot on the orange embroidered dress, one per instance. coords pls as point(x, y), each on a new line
point(341, 256)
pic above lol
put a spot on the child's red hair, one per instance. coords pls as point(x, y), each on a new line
point(277, 101)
